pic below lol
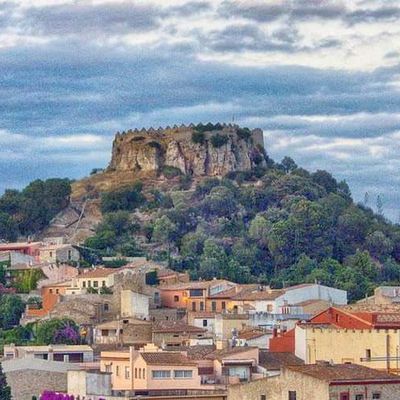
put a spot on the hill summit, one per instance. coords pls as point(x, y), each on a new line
point(211, 150)
point(202, 150)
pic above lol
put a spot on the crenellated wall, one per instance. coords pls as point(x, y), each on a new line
point(149, 150)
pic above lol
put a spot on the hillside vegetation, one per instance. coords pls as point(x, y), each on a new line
point(279, 225)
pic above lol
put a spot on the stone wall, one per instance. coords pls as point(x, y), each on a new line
point(27, 383)
point(151, 150)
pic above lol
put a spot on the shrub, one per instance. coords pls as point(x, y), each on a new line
point(218, 140)
point(244, 133)
point(198, 137)
point(171, 172)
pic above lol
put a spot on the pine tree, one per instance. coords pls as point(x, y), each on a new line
point(5, 390)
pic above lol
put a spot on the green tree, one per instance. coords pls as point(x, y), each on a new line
point(288, 164)
point(379, 245)
point(11, 309)
point(8, 227)
point(259, 228)
point(5, 390)
point(326, 180)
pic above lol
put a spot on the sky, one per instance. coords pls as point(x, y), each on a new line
point(320, 77)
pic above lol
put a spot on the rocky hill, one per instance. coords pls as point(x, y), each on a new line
point(191, 150)
point(197, 151)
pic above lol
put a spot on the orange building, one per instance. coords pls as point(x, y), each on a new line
point(50, 296)
point(200, 296)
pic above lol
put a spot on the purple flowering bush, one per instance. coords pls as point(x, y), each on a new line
point(68, 334)
point(48, 395)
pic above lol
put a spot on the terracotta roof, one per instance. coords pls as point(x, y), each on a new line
point(166, 358)
point(197, 352)
point(59, 284)
point(202, 314)
point(300, 286)
point(309, 302)
point(257, 294)
point(225, 294)
point(99, 273)
point(221, 354)
point(342, 372)
point(175, 326)
point(121, 324)
point(249, 334)
point(274, 361)
point(195, 285)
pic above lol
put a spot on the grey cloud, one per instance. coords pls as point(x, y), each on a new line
point(263, 12)
point(373, 15)
point(78, 18)
point(187, 9)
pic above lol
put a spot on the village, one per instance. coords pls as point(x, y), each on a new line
point(147, 331)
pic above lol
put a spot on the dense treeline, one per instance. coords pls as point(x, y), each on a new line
point(280, 225)
point(28, 211)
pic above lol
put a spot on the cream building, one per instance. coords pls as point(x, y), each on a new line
point(374, 348)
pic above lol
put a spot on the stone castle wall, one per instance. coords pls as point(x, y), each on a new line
point(150, 150)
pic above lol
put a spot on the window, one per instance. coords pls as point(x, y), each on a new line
point(337, 317)
point(205, 322)
point(89, 283)
point(84, 283)
point(292, 395)
point(103, 284)
point(182, 373)
point(201, 306)
point(51, 254)
point(269, 308)
point(359, 397)
point(57, 291)
point(344, 396)
point(176, 299)
point(135, 373)
point(196, 292)
point(368, 353)
point(106, 307)
point(161, 374)
point(140, 373)
point(193, 306)
point(127, 373)
point(144, 374)
point(108, 368)
point(104, 332)
point(117, 370)
point(376, 396)
point(213, 306)
point(263, 397)
point(223, 305)
point(51, 290)
point(95, 284)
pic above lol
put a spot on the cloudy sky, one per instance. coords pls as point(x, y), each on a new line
point(322, 78)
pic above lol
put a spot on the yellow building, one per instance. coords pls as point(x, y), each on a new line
point(374, 348)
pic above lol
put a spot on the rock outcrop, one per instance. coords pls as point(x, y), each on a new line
point(213, 150)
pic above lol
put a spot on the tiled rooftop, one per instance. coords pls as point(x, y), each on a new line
point(342, 372)
point(274, 361)
point(167, 358)
point(175, 326)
